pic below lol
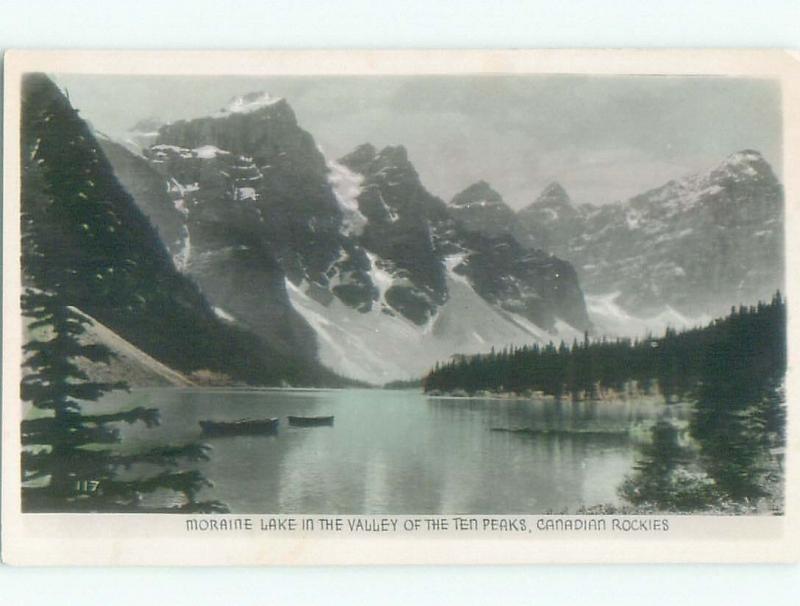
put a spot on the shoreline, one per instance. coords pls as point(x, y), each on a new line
point(483, 396)
point(548, 399)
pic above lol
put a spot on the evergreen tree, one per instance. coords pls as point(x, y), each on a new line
point(731, 371)
point(68, 462)
point(664, 476)
point(739, 413)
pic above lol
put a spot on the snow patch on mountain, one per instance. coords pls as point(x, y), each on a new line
point(245, 104)
point(181, 258)
point(346, 185)
point(378, 347)
point(743, 163)
point(161, 151)
point(223, 315)
point(207, 152)
point(381, 278)
point(246, 193)
point(450, 264)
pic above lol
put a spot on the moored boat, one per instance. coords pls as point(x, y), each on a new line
point(241, 427)
point(295, 421)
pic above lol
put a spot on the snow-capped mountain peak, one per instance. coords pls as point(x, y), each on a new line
point(696, 244)
point(741, 165)
point(745, 157)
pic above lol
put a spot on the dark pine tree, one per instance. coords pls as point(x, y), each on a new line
point(658, 480)
point(68, 459)
point(740, 409)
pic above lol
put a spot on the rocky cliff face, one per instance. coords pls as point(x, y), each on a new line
point(698, 244)
point(218, 237)
point(530, 283)
point(86, 239)
point(399, 213)
point(257, 154)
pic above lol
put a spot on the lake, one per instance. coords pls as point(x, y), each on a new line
point(400, 452)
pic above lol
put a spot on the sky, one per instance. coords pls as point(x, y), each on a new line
point(603, 138)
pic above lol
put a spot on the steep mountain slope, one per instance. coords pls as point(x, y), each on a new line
point(84, 238)
point(699, 244)
point(128, 363)
point(353, 258)
point(399, 213)
point(530, 282)
point(216, 238)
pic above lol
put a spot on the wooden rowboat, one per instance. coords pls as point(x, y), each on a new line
point(242, 427)
point(310, 421)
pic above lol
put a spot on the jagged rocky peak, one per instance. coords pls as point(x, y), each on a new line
point(554, 195)
point(392, 189)
point(393, 154)
point(254, 125)
point(697, 244)
point(480, 208)
point(744, 164)
point(367, 158)
point(249, 179)
point(360, 158)
point(480, 194)
point(399, 212)
point(393, 162)
point(551, 218)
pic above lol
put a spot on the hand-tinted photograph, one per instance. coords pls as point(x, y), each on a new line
point(488, 294)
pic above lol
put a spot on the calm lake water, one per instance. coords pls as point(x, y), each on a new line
point(398, 451)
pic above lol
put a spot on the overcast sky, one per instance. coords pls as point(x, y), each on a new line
point(603, 138)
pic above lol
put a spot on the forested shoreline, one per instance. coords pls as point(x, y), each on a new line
point(729, 459)
point(750, 341)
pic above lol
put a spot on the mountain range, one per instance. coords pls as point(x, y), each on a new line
point(698, 244)
point(302, 264)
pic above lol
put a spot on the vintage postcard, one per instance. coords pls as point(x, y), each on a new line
point(331, 307)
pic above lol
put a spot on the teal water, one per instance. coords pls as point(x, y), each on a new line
point(398, 451)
